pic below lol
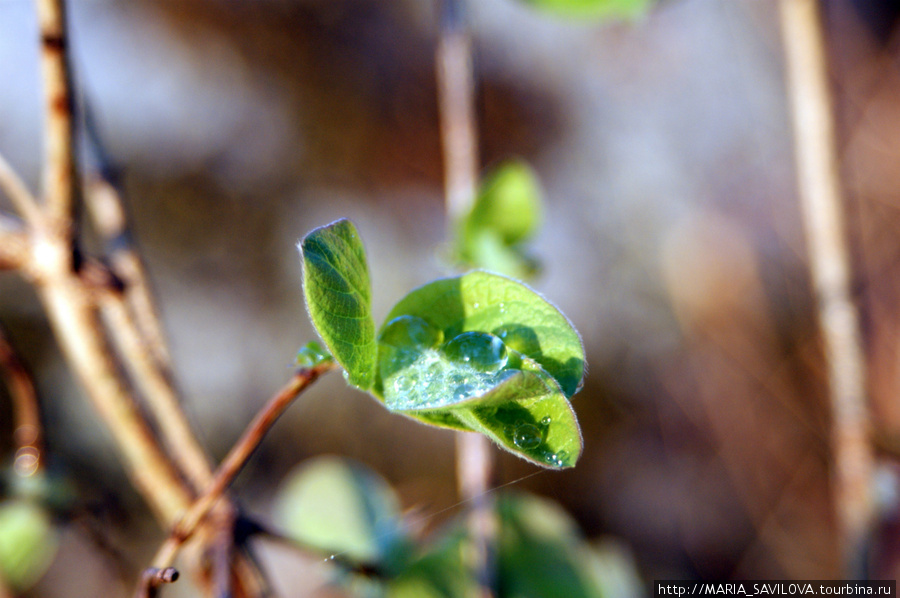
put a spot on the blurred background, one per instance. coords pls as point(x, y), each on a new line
point(672, 240)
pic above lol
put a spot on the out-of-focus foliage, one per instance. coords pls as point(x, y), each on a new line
point(28, 542)
point(539, 552)
point(598, 9)
point(506, 213)
point(341, 508)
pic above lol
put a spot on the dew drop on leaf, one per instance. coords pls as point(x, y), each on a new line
point(545, 421)
point(527, 436)
point(479, 350)
point(410, 331)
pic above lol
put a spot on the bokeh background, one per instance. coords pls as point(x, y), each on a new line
point(672, 240)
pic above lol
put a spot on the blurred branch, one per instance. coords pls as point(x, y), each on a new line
point(459, 135)
point(18, 193)
point(13, 244)
point(156, 387)
point(28, 432)
point(104, 204)
point(151, 579)
point(456, 102)
point(235, 460)
point(820, 197)
point(60, 177)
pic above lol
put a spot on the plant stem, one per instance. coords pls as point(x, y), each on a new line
point(820, 197)
point(60, 178)
point(459, 134)
point(235, 460)
point(18, 192)
point(13, 244)
point(28, 433)
point(456, 103)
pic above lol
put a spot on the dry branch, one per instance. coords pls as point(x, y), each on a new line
point(821, 201)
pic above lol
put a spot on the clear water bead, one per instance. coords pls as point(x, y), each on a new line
point(479, 350)
point(410, 331)
point(527, 436)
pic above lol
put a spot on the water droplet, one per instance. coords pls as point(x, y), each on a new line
point(410, 331)
point(562, 456)
point(311, 355)
point(545, 421)
point(464, 391)
point(405, 383)
point(502, 308)
point(482, 351)
point(476, 305)
point(527, 436)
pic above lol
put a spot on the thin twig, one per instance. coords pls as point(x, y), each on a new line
point(456, 103)
point(157, 389)
point(60, 177)
point(459, 134)
point(17, 191)
point(28, 431)
point(820, 196)
point(104, 203)
point(235, 460)
point(152, 578)
point(14, 244)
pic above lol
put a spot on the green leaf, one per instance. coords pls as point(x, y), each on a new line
point(485, 353)
point(338, 296)
point(27, 543)
point(342, 508)
point(508, 203)
point(598, 9)
point(540, 552)
point(512, 311)
point(506, 212)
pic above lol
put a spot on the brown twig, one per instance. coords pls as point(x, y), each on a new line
point(152, 578)
point(157, 389)
point(14, 244)
point(456, 93)
point(459, 134)
point(105, 206)
point(235, 460)
point(60, 177)
point(28, 432)
point(18, 193)
point(820, 196)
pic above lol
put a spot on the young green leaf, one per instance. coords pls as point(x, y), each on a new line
point(338, 296)
point(484, 353)
point(522, 319)
point(598, 9)
point(506, 212)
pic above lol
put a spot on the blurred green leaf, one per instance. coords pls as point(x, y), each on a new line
point(506, 212)
point(597, 9)
point(541, 554)
point(338, 296)
point(342, 508)
point(438, 572)
point(485, 353)
point(28, 543)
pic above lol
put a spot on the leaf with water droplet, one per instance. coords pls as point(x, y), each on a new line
point(508, 309)
point(338, 296)
point(511, 362)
